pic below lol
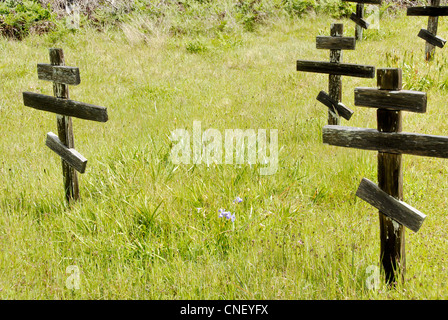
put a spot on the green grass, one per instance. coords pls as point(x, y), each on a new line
point(148, 229)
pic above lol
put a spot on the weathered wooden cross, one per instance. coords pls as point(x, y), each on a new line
point(63, 143)
point(358, 17)
point(433, 11)
point(335, 68)
point(391, 143)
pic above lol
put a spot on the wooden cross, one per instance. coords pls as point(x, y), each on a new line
point(335, 68)
point(358, 17)
point(390, 142)
point(63, 143)
point(433, 11)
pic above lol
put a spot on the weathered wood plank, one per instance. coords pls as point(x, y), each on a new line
point(432, 39)
point(359, 15)
point(71, 156)
point(431, 11)
point(341, 43)
point(336, 107)
point(334, 80)
point(414, 101)
point(60, 74)
point(390, 180)
point(364, 1)
point(65, 107)
point(65, 130)
point(389, 78)
point(343, 69)
point(390, 142)
point(430, 49)
point(395, 209)
point(359, 21)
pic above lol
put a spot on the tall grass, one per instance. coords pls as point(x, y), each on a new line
point(149, 229)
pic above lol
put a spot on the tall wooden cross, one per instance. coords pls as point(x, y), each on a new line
point(390, 142)
point(64, 143)
point(433, 11)
point(358, 17)
point(335, 68)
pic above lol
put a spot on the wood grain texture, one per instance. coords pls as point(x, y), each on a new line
point(360, 23)
point(65, 107)
point(60, 74)
point(336, 107)
point(431, 38)
point(338, 43)
point(395, 209)
point(390, 180)
point(413, 101)
point(71, 156)
point(335, 80)
point(65, 130)
point(344, 69)
point(389, 142)
point(389, 78)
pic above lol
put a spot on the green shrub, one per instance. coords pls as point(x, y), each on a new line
point(196, 46)
point(335, 8)
point(298, 7)
point(18, 18)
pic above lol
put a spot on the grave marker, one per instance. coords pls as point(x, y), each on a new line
point(433, 12)
point(358, 17)
point(63, 144)
point(335, 68)
point(390, 142)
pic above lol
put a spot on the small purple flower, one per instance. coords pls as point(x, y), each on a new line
point(237, 200)
point(222, 213)
point(226, 214)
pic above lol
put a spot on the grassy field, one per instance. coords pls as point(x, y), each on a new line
point(147, 228)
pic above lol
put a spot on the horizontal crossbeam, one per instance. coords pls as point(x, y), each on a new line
point(59, 74)
point(406, 100)
point(337, 43)
point(364, 1)
point(431, 11)
point(393, 208)
point(388, 142)
point(65, 107)
point(343, 69)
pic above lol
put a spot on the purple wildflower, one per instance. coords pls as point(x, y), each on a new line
point(237, 200)
point(226, 214)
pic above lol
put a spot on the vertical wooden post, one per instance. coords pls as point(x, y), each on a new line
point(432, 27)
point(359, 14)
point(390, 180)
point(65, 130)
point(335, 81)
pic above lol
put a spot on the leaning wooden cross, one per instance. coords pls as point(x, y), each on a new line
point(63, 143)
point(335, 68)
point(358, 17)
point(433, 11)
point(390, 143)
